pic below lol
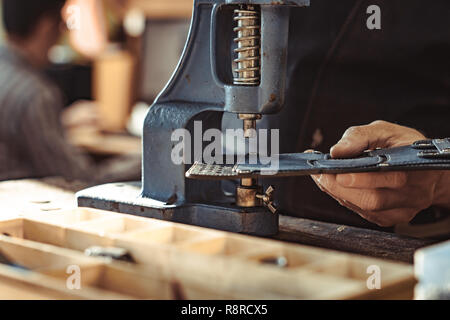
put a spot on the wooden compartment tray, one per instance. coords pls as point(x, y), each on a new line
point(175, 261)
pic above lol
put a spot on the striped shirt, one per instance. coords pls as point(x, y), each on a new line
point(32, 142)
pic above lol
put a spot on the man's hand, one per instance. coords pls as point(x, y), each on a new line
point(82, 113)
point(387, 198)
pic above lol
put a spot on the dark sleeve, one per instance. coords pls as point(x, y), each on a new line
point(43, 143)
point(432, 121)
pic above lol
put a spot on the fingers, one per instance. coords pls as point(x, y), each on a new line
point(379, 214)
point(386, 218)
point(393, 180)
point(378, 134)
point(358, 139)
point(367, 200)
point(382, 198)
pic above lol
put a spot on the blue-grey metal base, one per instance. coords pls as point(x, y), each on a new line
point(126, 198)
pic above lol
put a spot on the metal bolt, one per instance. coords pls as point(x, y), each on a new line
point(249, 124)
point(267, 199)
point(280, 262)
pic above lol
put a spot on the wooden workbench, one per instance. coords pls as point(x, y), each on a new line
point(20, 198)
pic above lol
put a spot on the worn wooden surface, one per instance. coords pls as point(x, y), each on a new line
point(19, 198)
point(22, 197)
point(349, 239)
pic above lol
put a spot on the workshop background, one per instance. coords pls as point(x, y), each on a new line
point(109, 74)
point(109, 83)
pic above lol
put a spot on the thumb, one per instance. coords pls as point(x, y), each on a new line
point(378, 134)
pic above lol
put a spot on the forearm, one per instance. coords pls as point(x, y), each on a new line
point(442, 191)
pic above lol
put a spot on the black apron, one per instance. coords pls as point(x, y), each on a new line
point(342, 74)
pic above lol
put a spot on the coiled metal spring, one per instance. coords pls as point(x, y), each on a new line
point(247, 63)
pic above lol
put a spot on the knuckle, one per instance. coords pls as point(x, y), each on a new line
point(400, 179)
point(379, 123)
point(427, 201)
point(374, 218)
point(419, 199)
point(387, 219)
point(384, 223)
point(325, 181)
point(379, 220)
point(371, 201)
point(346, 179)
point(417, 135)
point(352, 131)
point(410, 215)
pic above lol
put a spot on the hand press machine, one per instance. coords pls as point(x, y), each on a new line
point(235, 60)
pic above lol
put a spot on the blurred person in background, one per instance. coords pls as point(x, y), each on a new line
point(32, 142)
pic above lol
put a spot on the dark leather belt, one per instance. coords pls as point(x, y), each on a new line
point(421, 155)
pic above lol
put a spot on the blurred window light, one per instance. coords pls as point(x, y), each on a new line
point(134, 23)
point(73, 20)
point(61, 54)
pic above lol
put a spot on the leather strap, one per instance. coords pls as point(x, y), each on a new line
point(421, 155)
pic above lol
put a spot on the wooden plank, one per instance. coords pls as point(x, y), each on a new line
point(19, 198)
point(39, 256)
point(350, 239)
point(17, 285)
point(202, 261)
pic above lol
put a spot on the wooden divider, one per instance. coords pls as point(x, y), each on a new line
point(175, 261)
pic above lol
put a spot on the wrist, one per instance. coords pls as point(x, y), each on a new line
point(442, 190)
